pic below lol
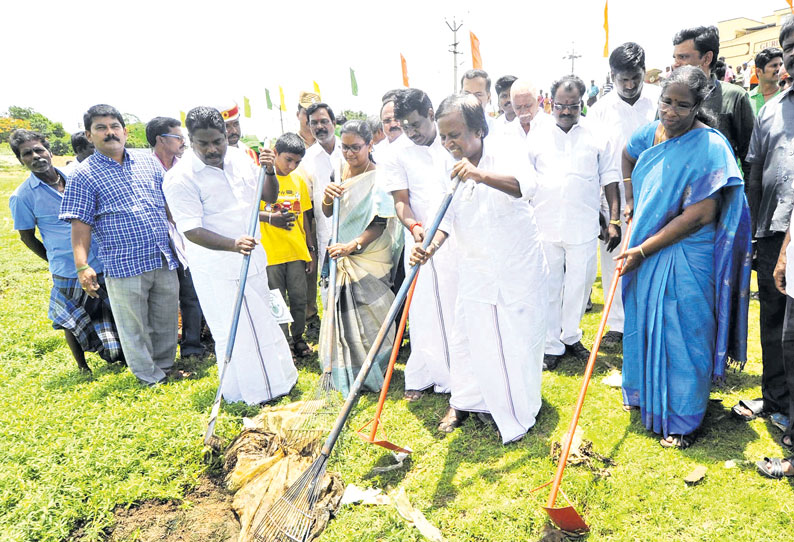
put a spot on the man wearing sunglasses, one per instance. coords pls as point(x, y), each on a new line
point(573, 162)
point(164, 135)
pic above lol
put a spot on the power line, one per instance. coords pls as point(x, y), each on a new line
point(572, 56)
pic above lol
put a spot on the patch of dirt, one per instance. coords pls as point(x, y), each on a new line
point(205, 516)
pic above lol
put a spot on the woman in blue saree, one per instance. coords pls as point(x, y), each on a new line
point(687, 271)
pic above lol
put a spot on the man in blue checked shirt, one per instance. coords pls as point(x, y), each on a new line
point(117, 197)
point(87, 322)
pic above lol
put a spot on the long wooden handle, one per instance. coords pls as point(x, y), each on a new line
point(588, 373)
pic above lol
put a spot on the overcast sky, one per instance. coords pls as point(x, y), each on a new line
point(154, 58)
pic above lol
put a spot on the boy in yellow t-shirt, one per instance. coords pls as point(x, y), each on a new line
point(290, 248)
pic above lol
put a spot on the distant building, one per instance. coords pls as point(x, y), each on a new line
point(743, 38)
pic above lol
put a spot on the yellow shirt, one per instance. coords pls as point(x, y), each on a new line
point(283, 245)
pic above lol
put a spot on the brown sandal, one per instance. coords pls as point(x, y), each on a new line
point(452, 420)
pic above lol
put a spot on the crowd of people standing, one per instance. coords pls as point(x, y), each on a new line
point(133, 237)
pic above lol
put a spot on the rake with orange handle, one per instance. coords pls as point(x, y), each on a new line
point(567, 518)
point(375, 422)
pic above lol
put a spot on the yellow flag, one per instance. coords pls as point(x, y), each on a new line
point(317, 89)
point(182, 117)
point(281, 95)
point(246, 107)
point(606, 29)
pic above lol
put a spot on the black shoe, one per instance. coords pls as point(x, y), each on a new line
point(577, 350)
point(550, 362)
point(612, 338)
point(589, 305)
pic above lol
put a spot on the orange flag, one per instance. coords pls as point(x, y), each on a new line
point(606, 28)
point(405, 70)
point(476, 59)
point(790, 5)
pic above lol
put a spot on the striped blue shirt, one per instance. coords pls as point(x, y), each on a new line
point(125, 207)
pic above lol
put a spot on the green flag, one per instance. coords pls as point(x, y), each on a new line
point(353, 83)
point(267, 96)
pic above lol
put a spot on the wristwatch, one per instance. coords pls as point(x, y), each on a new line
point(358, 245)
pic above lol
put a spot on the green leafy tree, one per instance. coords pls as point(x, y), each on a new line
point(136, 135)
point(60, 141)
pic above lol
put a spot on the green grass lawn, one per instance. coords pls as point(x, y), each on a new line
point(74, 447)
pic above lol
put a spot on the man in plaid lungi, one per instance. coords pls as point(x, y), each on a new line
point(87, 322)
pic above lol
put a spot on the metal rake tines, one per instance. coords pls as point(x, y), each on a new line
point(315, 418)
point(292, 516)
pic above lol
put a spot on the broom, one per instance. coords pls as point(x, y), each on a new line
point(292, 516)
point(210, 439)
point(316, 415)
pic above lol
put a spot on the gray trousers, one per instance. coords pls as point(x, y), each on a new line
point(145, 310)
point(290, 279)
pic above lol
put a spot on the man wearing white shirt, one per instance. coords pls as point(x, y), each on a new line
point(499, 332)
point(211, 194)
point(573, 162)
point(523, 96)
point(478, 83)
point(322, 160)
point(415, 174)
point(503, 85)
point(164, 135)
point(619, 114)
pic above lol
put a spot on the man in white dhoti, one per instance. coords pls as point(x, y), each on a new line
point(322, 160)
point(211, 193)
point(415, 175)
point(500, 330)
point(573, 162)
point(620, 113)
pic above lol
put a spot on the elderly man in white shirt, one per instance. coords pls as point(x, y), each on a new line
point(619, 114)
point(322, 160)
point(415, 174)
point(523, 96)
point(499, 331)
point(573, 162)
point(211, 194)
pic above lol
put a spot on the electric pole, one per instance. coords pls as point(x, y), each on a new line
point(573, 56)
point(454, 50)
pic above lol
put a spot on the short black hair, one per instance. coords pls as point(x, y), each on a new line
point(159, 126)
point(407, 100)
point(320, 105)
point(786, 29)
point(719, 70)
point(79, 142)
point(474, 74)
point(504, 83)
point(101, 110)
point(569, 82)
point(291, 143)
point(766, 56)
point(627, 57)
point(470, 107)
point(706, 38)
point(20, 136)
point(389, 96)
point(202, 118)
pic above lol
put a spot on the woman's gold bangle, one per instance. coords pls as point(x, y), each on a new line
point(642, 252)
point(327, 202)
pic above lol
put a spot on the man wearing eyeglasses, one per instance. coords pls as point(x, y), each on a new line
point(620, 113)
point(322, 160)
point(573, 162)
point(164, 135)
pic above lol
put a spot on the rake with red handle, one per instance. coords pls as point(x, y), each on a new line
point(567, 518)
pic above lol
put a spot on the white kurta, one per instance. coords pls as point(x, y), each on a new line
point(319, 165)
point(221, 200)
point(572, 167)
point(422, 171)
point(500, 325)
point(620, 120)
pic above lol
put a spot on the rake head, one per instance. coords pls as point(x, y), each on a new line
point(314, 419)
point(292, 516)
